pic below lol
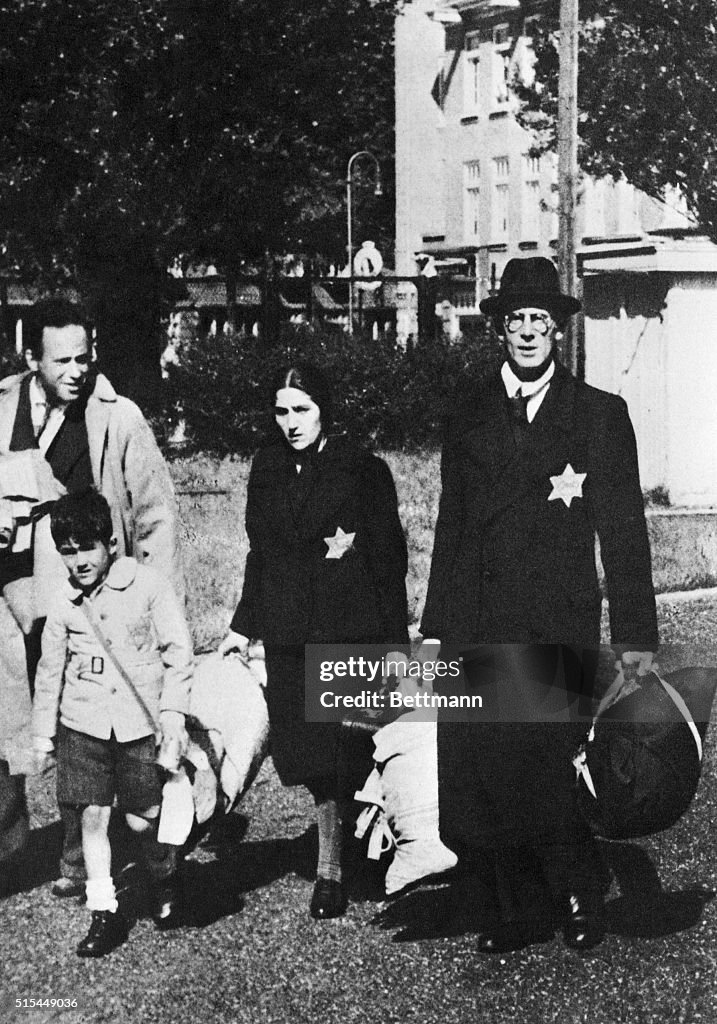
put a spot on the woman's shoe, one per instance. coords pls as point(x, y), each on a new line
point(329, 899)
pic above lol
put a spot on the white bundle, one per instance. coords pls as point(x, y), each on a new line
point(407, 801)
point(227, 703)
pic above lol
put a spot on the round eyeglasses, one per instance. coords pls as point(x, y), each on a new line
point(540, 322)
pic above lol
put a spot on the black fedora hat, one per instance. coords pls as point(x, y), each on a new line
point(530, 282)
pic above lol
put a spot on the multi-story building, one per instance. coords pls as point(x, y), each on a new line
point(471, 192)
point(470, 186)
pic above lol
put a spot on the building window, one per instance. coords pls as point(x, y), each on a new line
point(530, 226)
point(593, 203)
point(531, 26)
point(471, 208)
point(501, 199)
point(471, 75)
point(501, 65)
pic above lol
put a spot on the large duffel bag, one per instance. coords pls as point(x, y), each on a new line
point(640, 765)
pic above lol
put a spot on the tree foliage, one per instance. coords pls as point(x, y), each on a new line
point(130, 132)
point(219, 125)
point(647, 97)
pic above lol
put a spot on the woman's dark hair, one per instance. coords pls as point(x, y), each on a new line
point(83, 517)
point(312, 381)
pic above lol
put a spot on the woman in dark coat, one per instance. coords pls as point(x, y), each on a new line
point(327, 564)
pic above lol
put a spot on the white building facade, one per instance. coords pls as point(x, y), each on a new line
point(472, 193)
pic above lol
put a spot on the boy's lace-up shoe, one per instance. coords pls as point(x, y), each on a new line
point(107, 931)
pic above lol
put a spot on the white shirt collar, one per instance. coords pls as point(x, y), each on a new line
point(37, 392)
point(527, 387)
point(46, 420)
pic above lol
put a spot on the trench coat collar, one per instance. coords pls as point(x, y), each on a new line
point(10, 395)
point(102, 400)
point(512, 469)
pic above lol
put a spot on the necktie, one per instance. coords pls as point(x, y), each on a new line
point(40, 426)
point(519, 407)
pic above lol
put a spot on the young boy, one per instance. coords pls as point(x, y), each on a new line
point(105, 738)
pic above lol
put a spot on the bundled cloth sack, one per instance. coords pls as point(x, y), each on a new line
point(640, 765)
point(229, 721)
point(16, 744)
point(402, 794)
point(28, 490)
point(228, 726)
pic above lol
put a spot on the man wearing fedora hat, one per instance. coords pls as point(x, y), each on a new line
point(535, 465)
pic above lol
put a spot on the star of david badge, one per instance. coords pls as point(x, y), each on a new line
point(567, 485)
point(339, 544)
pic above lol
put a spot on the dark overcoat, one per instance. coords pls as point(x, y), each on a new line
point(296, 593)
point(514, 563)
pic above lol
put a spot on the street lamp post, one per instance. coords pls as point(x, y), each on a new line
point(349, 225)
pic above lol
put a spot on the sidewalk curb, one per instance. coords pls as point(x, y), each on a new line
point(680, 596)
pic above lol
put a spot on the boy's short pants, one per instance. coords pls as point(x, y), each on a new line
point(94, 771)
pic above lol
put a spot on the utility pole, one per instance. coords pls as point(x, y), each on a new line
point(568, 170)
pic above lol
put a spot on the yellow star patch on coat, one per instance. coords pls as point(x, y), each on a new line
point(567, 485)
point(339, 543)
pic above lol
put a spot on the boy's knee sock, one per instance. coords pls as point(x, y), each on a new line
point(330, 839)
point(101, 894)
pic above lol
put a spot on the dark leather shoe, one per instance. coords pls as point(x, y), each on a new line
point(329, 899)
point(107, 931)
point(508, 936)
point(65, 887)
point(167, 909)
point(584, 924)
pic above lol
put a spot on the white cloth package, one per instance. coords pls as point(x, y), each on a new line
point(405, 798)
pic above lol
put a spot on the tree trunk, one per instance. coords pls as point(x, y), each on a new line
point(124, 300)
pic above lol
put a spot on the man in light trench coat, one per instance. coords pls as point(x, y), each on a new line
point(67, 417)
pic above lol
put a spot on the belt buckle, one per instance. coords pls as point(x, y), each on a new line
point(98, 664)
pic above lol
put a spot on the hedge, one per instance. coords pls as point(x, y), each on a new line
point(385, 395)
